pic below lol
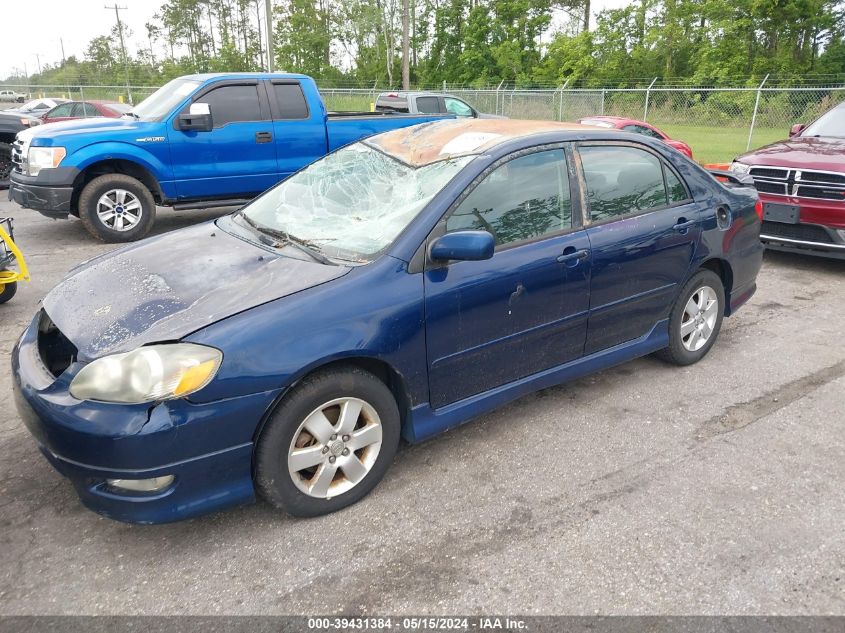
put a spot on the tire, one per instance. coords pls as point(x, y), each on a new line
point(688, 347)
point(7, 291)
point(5, 164)
point(326, 481)
point(116, 224)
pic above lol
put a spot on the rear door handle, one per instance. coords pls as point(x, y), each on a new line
point(572, 256)
point(263, 137)
point(683, 224)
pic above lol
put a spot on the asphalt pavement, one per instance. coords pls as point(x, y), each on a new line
point(646, 489)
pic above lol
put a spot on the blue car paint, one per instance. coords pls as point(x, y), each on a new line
point(393, 318)
point(184, 166)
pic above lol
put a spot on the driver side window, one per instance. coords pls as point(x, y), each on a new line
point(457, 107)
point(522, 199)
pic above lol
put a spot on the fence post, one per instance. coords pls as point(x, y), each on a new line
point(81, 94)
point(647, 95)
point(496, 111)
point(560, 110)
point(602, 101)
point(754, 116)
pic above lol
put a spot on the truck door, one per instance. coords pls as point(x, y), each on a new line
point(299, 131)
point(237, 158)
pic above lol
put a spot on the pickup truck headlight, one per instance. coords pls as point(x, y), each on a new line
point(43, 158)
point(740, 168)
point(148, 374)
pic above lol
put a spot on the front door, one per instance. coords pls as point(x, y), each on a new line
point(237, 158)
point(524, 310)
point(644, 230)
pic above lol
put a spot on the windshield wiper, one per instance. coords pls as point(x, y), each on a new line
point(285, 238)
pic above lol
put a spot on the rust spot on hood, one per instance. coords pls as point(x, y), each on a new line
point(428, 143)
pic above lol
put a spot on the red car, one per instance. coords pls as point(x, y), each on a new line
point(802, 185)
point(639, 127)
point(85, 110)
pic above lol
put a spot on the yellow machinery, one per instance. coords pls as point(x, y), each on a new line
point(10, 256)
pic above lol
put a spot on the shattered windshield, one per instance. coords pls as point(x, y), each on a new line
point(353, 203)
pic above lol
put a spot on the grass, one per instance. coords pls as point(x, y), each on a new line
point(720, 144)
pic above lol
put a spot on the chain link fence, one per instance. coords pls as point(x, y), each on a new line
point(718, 123)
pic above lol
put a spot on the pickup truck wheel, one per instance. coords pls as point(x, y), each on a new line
point(695, 319)
point(328, 443)
point(5, 164)
point(117, 208)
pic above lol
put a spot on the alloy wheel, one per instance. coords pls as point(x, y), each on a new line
point(119, 209)
point(699, 319)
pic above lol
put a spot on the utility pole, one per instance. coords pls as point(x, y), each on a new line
point(62, 44)
point(117, 11)
point(268, 23)
point(38, 61)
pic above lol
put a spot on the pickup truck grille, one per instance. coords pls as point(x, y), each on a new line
point(805, 232)
point(799, 183)
point(18, 157)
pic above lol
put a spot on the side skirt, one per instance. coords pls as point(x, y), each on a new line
point(426, 422)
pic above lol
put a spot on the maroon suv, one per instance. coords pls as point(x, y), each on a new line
point(802, 185)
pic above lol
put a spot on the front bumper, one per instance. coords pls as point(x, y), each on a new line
point(50, 194)
point(820, 230)
point(206, 447)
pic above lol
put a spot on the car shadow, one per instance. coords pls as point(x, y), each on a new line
point(803, 262)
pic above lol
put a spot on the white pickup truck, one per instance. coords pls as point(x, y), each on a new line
point(11, 95)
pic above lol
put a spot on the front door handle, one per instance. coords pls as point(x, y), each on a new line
point(683, 224)
point(572, 257)
point(263, 137)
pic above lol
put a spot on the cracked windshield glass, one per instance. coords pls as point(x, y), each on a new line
point(353, 203)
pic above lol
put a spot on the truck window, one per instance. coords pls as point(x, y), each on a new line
point(291, 101)
point(230, 104)
point(428, 105)
point(457, 107)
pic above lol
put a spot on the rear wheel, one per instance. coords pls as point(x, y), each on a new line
point(695, 319)
point(117, 208)
point(328, 444)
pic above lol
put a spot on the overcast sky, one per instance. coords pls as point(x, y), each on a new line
point(35, 30)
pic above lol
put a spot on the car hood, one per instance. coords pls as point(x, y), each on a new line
point(823, 153)
point(54, 133)
point(164, 288)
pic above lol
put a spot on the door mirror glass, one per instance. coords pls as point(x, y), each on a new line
point(463, 246)
point(796, 129)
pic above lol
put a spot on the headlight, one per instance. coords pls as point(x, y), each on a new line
point(740, 168)
point(43, 158)
point(147, 374)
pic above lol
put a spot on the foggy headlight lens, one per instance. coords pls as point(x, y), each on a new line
point(147, 374)
point(740, 168)
point(43, 158)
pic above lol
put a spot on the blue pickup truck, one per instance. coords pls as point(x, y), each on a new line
point(200, 141)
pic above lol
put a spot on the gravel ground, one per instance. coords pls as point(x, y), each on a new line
point(713, 489)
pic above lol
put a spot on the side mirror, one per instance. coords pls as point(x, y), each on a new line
point(463, 246)
point(198, 118)
point(796, 129)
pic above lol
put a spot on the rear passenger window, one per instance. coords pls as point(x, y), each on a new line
point(677, 191)
point(230, 104)
point(428, 105)
point(291, 101)
point(523, 199)
point(621, 181)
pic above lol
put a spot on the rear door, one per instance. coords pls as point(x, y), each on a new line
point(524, 310)
point(62, 112)
point(299, 134)
point(644, 229)
point(235, 159)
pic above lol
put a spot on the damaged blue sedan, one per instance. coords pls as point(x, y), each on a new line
point(394, 289)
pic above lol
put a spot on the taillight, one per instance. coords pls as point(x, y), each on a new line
point(758, 209)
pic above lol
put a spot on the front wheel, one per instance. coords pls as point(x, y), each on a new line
point(5, 164)
point(328, 444)
point(7, 291)
point(695, 319)
point(117, 208)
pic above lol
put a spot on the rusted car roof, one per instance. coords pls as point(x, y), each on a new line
point(430, 142)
